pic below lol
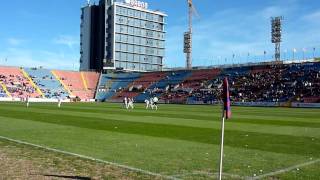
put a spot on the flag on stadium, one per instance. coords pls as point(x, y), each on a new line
point(226, 99)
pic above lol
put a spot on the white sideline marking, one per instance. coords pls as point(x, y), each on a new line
point(91, 158)
point(210, 174)
point(285, 169)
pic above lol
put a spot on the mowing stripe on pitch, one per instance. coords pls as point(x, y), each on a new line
point(91, 158)
point(286, 169)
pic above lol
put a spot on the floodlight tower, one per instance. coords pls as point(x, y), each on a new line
point(276, 30)
point(188, 35)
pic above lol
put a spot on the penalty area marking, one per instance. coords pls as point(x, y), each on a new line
point(91, 158)
point(286, 169)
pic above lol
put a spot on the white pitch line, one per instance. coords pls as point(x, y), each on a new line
point(210, 174)
point(91, 158)
point(286, 169)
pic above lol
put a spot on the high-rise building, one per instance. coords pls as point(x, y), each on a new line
point(122, 35)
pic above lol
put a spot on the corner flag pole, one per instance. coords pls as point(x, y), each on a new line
point(226, 114)
point(221, 145)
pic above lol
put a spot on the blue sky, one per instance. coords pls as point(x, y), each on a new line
point(46, 32)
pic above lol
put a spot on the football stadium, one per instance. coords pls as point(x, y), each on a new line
point(124, 114)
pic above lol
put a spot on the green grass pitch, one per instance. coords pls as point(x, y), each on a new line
point(177, 140)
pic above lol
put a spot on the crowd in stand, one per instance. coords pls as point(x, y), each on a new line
point(17, 85)
point(274, 83)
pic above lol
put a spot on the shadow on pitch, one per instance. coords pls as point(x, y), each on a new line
point(67, 177)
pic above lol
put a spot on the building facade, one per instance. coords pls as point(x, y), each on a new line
point(122, 35)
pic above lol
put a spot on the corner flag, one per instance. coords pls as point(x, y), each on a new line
point(226, 99)
point(226, 114)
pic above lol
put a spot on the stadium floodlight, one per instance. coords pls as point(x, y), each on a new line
point(276, 35)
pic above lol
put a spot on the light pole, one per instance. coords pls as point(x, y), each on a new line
point(293, 53)
point(303, 53)
point(314, 52)
point(285, 54)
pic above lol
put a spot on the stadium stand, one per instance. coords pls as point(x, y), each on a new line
point(139, 85)
point(90, 81)
point(295, 82)
point(112, 83)
point(197, 81)
point(170, 81)
point(74, 83)
point(16, 83)
point(47, 83)
point(2, 92)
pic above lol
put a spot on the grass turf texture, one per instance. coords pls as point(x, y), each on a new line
point(177, 140)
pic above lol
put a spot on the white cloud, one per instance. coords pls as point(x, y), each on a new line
point(15, 41)
point(312, 17)
point(35, 58)
point(70, 41)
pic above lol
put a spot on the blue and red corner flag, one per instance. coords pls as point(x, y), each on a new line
point(226, 99)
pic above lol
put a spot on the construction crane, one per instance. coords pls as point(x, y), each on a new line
point(188, 35)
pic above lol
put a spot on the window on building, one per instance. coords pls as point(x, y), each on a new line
point(117, 64)
point(143, 41)
point(137, 23)
point(136, 58)
point(123, 47)
point(149, 67)
point(159, 27)
point(149, 42)
point(136, 40)
point(118, 47)
point(160, 44)
point(155, 67)
point(118, 9)
point(155, 17)
point(136, 49)
point(137, 14)
point(131, 21)
point(137, 31)
point(124, 29)
point(143, 24)
point(130, 57)
point(143, 32)
point(149, 16)
point(160, 52)
point(117, 56)
point(123, 56)
point(143, 50)
point(117, 28)
point(143, 15)
point(149, 33)
point(130, 39)
point(118, 37)
point(124, 11)
point(142, 67)
point(149, 25)
point(123, 65)
point(130, 12)
point(124, 38)
point(130, 48)
point(160, 19)
point(130, 30)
